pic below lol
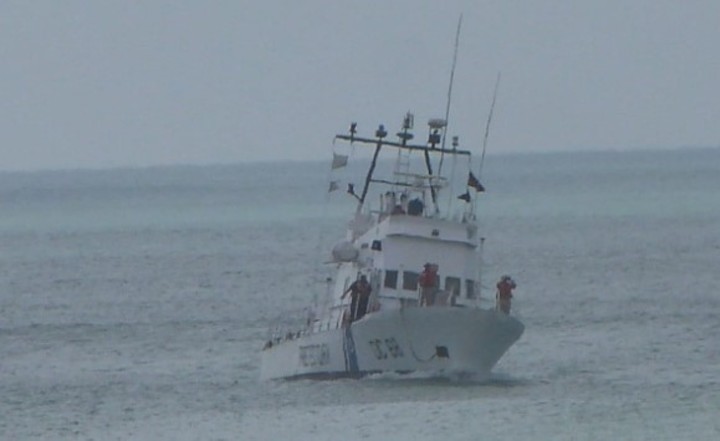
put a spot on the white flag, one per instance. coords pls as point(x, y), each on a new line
point(339, 161)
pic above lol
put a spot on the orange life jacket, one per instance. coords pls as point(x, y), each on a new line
point(427, 279)
point(504, 289)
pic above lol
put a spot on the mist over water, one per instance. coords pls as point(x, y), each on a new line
point(134, 303)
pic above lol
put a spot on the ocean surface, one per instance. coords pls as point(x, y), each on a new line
point(134, 303)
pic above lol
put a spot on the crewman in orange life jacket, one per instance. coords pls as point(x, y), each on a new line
point(359, 292)
point(504, 293)
point(428, 284)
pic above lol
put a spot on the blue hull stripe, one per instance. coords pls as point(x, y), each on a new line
point(351, 362)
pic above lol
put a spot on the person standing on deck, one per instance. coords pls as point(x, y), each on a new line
point(428, 284)
point(359, 292)
point(504, 293)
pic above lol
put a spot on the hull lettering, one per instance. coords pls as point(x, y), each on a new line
point(314, 355)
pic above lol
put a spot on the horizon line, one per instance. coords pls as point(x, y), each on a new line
point(100, 168)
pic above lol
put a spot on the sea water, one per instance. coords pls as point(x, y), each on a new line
point(134, 304)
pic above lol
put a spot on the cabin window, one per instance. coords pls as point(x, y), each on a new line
point(470, 288)
point(376, 245)
point(452, 284)
point(391, 277)
point(410, 280)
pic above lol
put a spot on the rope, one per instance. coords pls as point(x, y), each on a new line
point(407, 337)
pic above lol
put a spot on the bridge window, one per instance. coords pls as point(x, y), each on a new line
point(452, 284)
point(410, 280)
point(470, 288)
point(391, 277)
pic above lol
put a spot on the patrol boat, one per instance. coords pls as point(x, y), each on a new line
point(410, 218)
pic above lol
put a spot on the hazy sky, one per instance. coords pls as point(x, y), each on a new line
point(133, 83)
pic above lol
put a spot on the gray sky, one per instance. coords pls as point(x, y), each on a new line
point(136, 83)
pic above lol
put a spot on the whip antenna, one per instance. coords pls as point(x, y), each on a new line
point(487, 125)
point(449, 94)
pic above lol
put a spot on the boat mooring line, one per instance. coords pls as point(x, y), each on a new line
point(407, 336)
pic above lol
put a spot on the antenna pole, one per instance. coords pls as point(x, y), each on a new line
point(449, 94)
point(487, 125)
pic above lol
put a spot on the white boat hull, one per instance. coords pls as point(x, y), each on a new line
point(442, 341)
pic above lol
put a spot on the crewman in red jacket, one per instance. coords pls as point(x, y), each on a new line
point(428, 284)
point(504, 293)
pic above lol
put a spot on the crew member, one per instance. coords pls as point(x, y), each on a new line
point(504, 293)
point(428, 284)
point(359, 292)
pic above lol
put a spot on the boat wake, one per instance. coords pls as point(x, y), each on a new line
point(449, 378)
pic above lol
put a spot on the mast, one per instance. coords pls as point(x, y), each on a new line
point(434, 139)
point(380, 133)
point(449, 94)
point(487, 125)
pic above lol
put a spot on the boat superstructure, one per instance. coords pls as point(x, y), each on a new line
point(419, 215)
